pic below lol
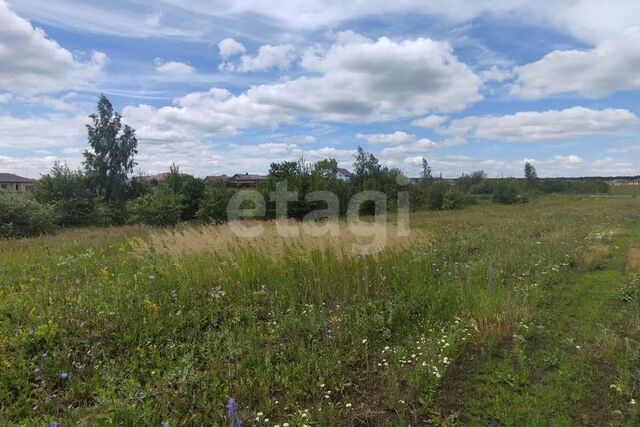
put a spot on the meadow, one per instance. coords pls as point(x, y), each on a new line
point(137, 325)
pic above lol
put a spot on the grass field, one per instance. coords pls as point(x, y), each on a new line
point(503, 315)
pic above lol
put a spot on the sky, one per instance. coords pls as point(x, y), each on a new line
point(224, 87)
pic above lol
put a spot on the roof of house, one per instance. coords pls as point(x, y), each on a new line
point(216, 178)
point(345, 172)
point(14, 179)
point(248, 177)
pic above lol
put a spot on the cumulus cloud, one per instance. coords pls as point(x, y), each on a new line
point(33, 63)
point(357, 79)
point(173, 68)
point(280, 56)
point(35, 133)
point(609, 67)
point(430, 122)
point(230, 47)
point(402, 145)
point(495, 74)
point(542, 126)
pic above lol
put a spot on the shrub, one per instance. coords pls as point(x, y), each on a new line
point(435, 195)
point(162, 206)
point(213, 206)
point(505, 192)
point(453, 198)
point(69, 193)
point(21, 217)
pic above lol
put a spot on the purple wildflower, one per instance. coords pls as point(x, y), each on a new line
point(232, 413)
point(53, 424)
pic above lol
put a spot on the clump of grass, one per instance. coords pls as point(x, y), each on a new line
point(633, 260)
point(593, 257)
point(276, 238)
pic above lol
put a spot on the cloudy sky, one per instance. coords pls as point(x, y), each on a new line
point(224, 86)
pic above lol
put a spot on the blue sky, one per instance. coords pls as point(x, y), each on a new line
point(226, 87)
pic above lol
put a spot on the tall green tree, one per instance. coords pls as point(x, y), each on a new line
point(426, 171)
point(530, 173)
point(111, 157)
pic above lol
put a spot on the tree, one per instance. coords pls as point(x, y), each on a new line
point(365, 164)
point(506, 192)
point(426, 171)
point(530, 173)
point(67, 191)
point(326, 169)
point(111, 158)
point(162, 206)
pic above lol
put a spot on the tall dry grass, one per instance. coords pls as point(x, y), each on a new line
point(633, 259)
point(593, 257)
point(274, 238)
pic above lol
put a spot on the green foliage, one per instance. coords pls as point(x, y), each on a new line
point(468, 181)
point(213, 206)
point(530, 174)
point(22, 217)
point(110, 159)
point(453, 198)
point(68, 191)
point(162, 206)
point(506, 192)
point(435, 195)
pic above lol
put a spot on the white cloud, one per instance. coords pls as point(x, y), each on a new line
point(430, 122)
point(495, 74)
point(609, 67)
point(230, 47)
point(174, 68)
point(359, 80)
point(41, 132)
point(33, 63)
point(395, 138)
point(568, 161)
point(280, 56)
point(542, 126)
point(402, 144)
point(5, 97)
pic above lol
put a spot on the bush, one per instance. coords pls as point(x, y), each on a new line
point(506, 193)
point(213, 206)
point(453, 198)
point(435, 195)
point(162, 206)
point(69, 193)
point(22, 217)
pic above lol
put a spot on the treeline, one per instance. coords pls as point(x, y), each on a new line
point(102, 194)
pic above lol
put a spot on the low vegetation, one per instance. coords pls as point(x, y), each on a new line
point(138, 326)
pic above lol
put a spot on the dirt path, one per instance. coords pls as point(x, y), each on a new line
point(577, 363)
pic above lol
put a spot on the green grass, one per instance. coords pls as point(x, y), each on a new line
point(577, 361)
point(311, 336)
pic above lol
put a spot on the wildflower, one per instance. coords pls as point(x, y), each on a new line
point(632, 402)
point(364, 341)
point(164, 424)
point(232, 413)
point(348, 405)
point(63, 377)
point(53, 424)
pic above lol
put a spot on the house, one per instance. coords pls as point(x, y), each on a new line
point(15, 183)
point(247, 179)
point(217, 178)
point(617, 182)
point(343, 175)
